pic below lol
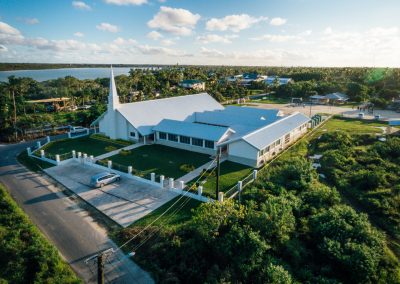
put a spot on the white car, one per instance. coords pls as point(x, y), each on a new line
point(102, 179)
point(76, 129)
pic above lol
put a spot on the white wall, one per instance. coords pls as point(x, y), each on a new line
point(188, 147)
point(242, 152)
point(114, 125)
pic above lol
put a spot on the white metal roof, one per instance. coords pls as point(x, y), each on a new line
point(265, 136)
point(233, 115)
point(147, 114)
point(196, 130)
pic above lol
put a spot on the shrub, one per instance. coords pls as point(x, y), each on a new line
point(187, 168)
point(110, 148)
point(125, 152)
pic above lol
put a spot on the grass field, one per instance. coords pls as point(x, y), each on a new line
point(175, 217)
point(161, 160)
point(88, 145)
point(352, 126)
point(230, 174)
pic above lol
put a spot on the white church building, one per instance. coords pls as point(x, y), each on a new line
point(198, 123)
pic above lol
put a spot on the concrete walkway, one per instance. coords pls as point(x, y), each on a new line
point(195, 173)
point(115, 152)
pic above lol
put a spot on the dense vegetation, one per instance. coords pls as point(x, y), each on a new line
point(25, 255)
point(289, 228)
point(380, 86)
point(367, 170)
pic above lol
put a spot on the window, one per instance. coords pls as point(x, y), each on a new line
point(287, 138)
point(267, 149)
point(162, 135)
point(278, 142)
point(184, 139)
point(173, 137)
point(209, 144)
point(132, 134)
point(197, 142)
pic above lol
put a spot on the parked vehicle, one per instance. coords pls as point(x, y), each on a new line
point(75, 129)
point(101, 179)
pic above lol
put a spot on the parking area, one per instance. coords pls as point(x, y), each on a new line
point(124, 202)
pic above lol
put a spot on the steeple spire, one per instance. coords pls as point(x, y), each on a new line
point(113, 99)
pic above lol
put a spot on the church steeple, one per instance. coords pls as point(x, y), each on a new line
point(113, 99)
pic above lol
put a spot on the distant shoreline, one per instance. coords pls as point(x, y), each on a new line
point(42, 66)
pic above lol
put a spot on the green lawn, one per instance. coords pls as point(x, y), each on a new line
point(352, 126)
point(32, 164)
point(88, 145)
point(271, 100)
point(175, 217)
point(230, 174)
point(161, 160)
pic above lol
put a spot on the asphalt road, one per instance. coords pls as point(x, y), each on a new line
point(70, 228)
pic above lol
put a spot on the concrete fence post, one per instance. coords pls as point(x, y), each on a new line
point(87, 131)
point(153, 177)
point(221, 197)
point(109, 164)
point(42, 153)
point(200, 190)
point(48, 139)
point(255, 172)
point(130, 170)
point(29, 151)
point(240, 185)
point(181, 184)
point(38, 144)
point(171, 183)
point(91, 159)
point(79, 155)
point(74, 154)
point(69, 134)
point(162, 181)
point(57, 159)
point(84, 158)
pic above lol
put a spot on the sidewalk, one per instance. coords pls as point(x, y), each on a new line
point(195, 173)
point(115, 152)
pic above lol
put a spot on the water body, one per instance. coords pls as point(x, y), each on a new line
point(49, 74)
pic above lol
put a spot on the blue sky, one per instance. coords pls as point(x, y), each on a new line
point(229, 32)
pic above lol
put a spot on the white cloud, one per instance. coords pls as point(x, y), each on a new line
point(277, 21)
point(276, 38)
point(107, 27)
point(210, 38)
point(80, 5)
point(167, 42)
point(7, 29)
point(234, 23)
point(158, 50)
point(162, 1)
point(154, 35)
point(79, 34)
point(126, 2)
point(328, 31)
point(174, 21)
point(3, 48)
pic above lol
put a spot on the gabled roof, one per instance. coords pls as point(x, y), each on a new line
point(147, 114)
point(337, 96)
point(265, 136)
point(196, 130)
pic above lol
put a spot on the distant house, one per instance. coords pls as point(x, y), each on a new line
point(281, 81)
point(329, 98)
point(193, 84)
point(198, 123)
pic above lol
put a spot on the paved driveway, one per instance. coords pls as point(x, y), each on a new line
point(124, 202)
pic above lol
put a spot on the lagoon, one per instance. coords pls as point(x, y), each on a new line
point(80, 73)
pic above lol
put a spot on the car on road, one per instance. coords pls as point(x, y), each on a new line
point(76, 129)
point(101, 179)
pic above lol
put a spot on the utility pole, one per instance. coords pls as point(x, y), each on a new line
point(100, 263)
point(218, 173)
point(15, 116)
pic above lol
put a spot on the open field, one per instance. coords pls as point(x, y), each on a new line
point(87, 144)
point(161, 160)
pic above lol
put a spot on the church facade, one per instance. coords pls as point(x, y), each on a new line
point(198, 123)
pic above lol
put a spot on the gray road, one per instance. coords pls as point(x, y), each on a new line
point(66, 225)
